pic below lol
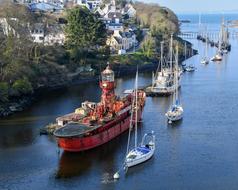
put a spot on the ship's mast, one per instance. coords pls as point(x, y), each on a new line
point(171, 53)
point(176, 74)
point(185, 50)
point(136, 107)
point(161, 56)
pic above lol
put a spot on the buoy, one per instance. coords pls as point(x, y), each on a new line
point(116, 175)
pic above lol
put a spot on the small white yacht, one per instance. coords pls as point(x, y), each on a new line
point(217, 57)
point(144, 151)
point(205, 59)
point(175, 113)
point(190, 68)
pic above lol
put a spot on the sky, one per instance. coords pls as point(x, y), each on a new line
point(196, 6)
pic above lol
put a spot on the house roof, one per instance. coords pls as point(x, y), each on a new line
point(44, 7)
point(114, 15)
point(119, 40)
point(126, 34)
point(115, 24)
point(54, 29)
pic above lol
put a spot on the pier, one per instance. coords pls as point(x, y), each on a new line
point(211, 35)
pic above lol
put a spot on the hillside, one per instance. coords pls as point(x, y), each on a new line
point(159, 19)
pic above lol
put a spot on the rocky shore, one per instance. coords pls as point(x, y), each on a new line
point(15, 105)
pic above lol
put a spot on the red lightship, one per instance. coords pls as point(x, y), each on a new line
point(95, 124)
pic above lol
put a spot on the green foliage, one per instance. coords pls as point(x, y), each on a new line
point(3, 92)
point(160, 20)
point(137, 58)
point(148, 47)
point(84, 34)
point(22, 87)
point(84, 29)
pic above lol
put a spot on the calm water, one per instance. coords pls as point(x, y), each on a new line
point(200, 152)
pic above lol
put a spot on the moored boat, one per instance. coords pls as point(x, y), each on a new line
point(205, 59)
point(95, 124)
point(175, 113)
point(163, 80)
point(190, 68)
point(144, 151)
point(217, 57)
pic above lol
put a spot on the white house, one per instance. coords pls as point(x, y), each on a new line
point(47, 35)
point(54, 35)
point(38, 33)
point(90, 4)
point(121, 41)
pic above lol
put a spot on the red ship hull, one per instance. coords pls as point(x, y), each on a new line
point(115, 128)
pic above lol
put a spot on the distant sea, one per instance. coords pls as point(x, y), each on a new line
point(209, 22)
point(208, 18)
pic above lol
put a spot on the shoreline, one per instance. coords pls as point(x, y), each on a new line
point(120, 70)
point(24, 102)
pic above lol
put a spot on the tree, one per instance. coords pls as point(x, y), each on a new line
point(3, 92)
point(84, 31)
point(148, 47)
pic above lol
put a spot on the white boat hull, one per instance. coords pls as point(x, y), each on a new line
point(205, 62)
point(173, 116)
point(140, 159)
point(217, 58)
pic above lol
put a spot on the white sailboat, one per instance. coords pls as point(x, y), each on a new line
point(144, 151)
point(218, 56)
point(205, 59)
point(191, 67)
point(162, 81)
point(175, 113)
point(219, 53)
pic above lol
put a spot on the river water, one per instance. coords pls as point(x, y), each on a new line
point(200, 152)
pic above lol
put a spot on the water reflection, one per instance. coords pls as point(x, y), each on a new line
point(72, 164)
point(76, 164)
point(16, 138)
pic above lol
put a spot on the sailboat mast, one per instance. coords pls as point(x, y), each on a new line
point(221, 36)
point(185, 50)
point(199, 24)
point(171, 53)
point(136, 107)
point(161, 56)
point(176, 74)
point(206, 48)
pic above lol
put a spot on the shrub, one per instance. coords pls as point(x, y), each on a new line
point(22, 87)
point(3, 92)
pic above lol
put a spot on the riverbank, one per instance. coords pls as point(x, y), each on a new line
point(19, 104)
